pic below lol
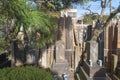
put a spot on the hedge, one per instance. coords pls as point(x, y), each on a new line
point(24, 73)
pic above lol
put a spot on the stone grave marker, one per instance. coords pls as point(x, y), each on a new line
point(32, 57)
point(92, 51)
point(60, 51)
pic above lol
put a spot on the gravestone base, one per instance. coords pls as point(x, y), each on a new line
point(92, 73)
point(60, 64)
point(90, 69)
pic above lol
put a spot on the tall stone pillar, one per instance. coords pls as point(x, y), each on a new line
point(61, 30)
point(50, 55)
point(69, 42)
point(92, 52)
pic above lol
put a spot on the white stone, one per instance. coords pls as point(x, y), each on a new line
point(91, 64)
point(100, 63)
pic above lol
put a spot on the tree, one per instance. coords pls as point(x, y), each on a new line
point(58, 4)
point(97, 32)
point(103, 6)
point(15, 13)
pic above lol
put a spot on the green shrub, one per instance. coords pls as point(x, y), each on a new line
point(24, 73)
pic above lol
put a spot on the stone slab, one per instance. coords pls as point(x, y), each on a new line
point(59, 51)
point(92, 51)
point(114, 61)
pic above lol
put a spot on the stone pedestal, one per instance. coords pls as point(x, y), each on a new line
point(60, 65)
point(92, 52)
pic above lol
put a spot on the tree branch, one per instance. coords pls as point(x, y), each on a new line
point(97, 31)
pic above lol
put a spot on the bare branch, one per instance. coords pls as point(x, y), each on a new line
point(96, 32)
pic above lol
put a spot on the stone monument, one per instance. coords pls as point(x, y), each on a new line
point(92, 51)
point(60, 51)
point(60, 65)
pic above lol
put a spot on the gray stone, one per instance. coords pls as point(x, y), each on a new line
point(59, 51)
point(89, 32)
point(92, 51)
point(69, 33)
point(44, 57)
point(77, 56)
point(32, 57)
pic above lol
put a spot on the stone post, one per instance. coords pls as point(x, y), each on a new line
point(69, 42)
point(44, 57)
point(114, 61)
point(92, 51)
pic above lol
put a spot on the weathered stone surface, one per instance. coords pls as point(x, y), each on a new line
point(60, 65)
point(92, 51)
point(61, 68)
point(89, 32)
point(69, 33)
point(77, 56)
point(60, 32)
point(93, 72)
point(59, 51)
point(32, 57)
point(44, 57)
point(69, 56)
point(50, 53)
